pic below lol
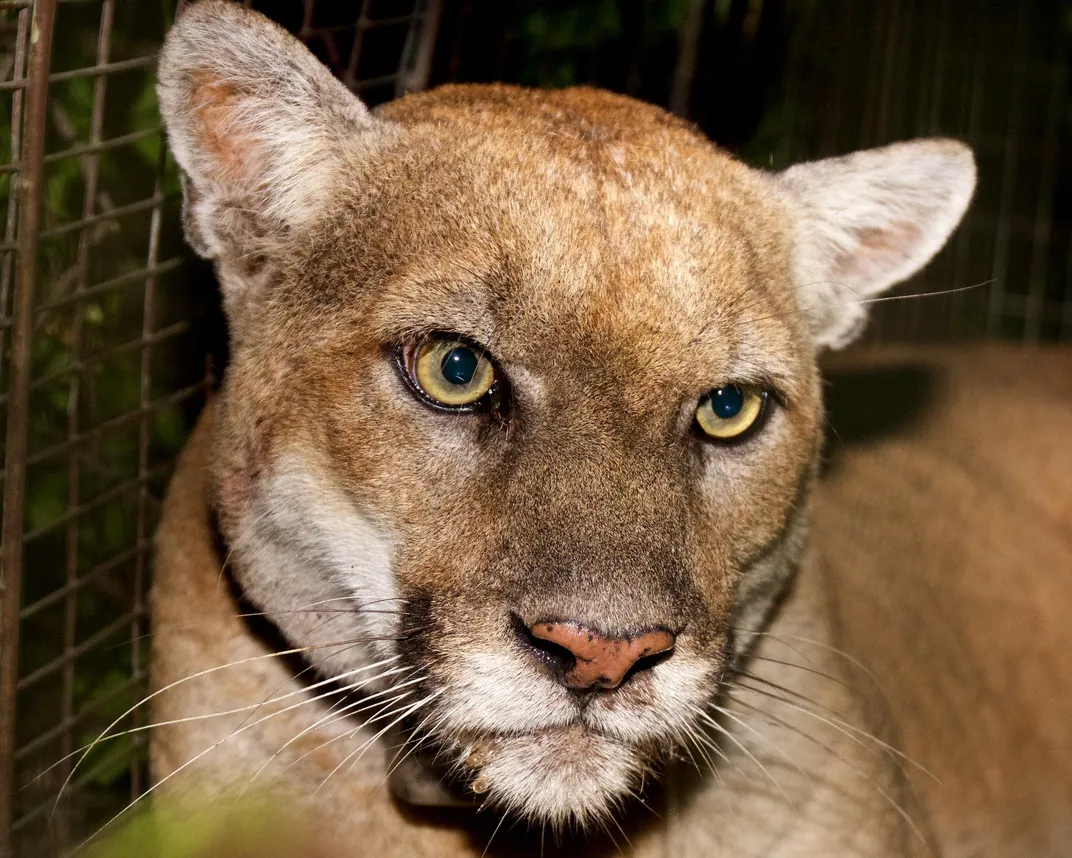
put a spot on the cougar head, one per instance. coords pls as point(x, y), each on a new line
point(523, 395)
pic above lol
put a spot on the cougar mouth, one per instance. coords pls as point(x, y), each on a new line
point(564, 775)
point(502, 733)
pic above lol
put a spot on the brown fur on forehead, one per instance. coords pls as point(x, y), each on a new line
point(626, 247)
point(631, 289)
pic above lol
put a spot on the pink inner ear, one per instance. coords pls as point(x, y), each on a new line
point(879, 251)
point(214, 104)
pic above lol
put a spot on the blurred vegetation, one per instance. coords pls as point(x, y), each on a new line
point(219, 829)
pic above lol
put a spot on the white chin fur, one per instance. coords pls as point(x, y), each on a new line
point(565, 776)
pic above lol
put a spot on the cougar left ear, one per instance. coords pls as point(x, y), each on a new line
point(866, 221)
point(261, 131)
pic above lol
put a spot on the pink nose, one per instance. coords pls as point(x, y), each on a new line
point(581, 657)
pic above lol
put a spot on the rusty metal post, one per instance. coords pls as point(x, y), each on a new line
point(688, 52)
point(419, 57)
point(29, 191)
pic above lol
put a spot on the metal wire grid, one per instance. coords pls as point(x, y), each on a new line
point(103, 370)
point(993, 74)
point(780, 81)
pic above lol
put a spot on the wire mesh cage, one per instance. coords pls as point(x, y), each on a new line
point(992, 74)
point(780, 81)
point(104, 335)
point(106, 324)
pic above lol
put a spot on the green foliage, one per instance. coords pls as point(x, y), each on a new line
point(231, 828)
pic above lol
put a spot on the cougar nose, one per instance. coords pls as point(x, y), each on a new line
point(582, 657)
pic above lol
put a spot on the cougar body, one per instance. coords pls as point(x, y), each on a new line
point(497, 531)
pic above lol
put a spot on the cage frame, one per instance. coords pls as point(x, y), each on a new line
point(32, 74)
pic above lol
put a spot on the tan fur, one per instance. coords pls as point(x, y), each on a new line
point(951, 542)
point(617, 267)
point(939, 547)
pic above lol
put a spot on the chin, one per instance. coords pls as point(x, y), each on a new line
point(563, 777)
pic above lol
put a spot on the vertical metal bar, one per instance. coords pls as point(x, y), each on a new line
point(1040, 250)
point(896, 119)
point(306, 29)
point(29, 190)
point(807, 33)
point(938, 52)
point(90, 169)
point(637, 21)
point(868, 59)
point(349, 76)
point(144, 437)
point(888, 38)
point(833, 111)
point(18, 73)
point(979, 65)
point(685, 70)
point(1065, 333)
point(996, 308)
point(930, 25)
point(415, 77)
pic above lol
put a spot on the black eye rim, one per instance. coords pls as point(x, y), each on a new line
point(766, 395)
point(403, 354)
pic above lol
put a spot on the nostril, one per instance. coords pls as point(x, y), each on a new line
point(557, 657)
point(646, 662)
point(582, 657)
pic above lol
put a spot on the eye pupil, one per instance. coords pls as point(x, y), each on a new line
point(459, 365)
point(727, 402)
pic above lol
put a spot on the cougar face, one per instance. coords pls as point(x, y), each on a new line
point(523, 398)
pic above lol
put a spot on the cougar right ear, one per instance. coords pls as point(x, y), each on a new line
point(260, 129)
point(866, 221)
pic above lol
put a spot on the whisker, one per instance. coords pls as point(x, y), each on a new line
point(396, 761)
point(702, 748)
point(496, 831)
point(383, 707)
point(849, 730)
point(810, 670)
point(206, 716)
point(360, 750)
point(782, 639)
point(419, 704)
point(343, 713)
point(177, 682)
point(894, 804)
point(336, 716)
point(709, 743)
point(688, 750)
point(247, 530)
point(618, 825)
point(723, 711)
point(194, 759)
point(729, 735)
point(777, 638)
point(955, 290)
point(606, 830)
point(760, 712)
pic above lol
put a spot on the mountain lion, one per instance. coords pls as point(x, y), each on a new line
point(506, 530)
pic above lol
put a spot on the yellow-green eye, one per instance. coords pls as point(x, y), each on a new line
point(451, 372)
point(730, 411)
